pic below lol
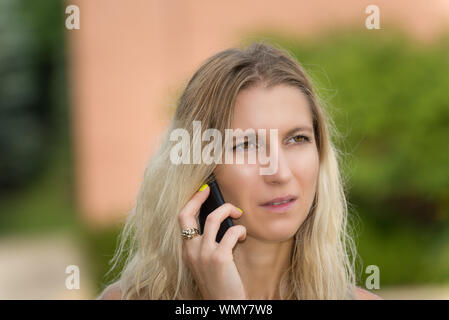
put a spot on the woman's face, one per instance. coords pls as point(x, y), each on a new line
point(284, 108)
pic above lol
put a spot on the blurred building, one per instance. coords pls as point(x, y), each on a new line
point(130, 59)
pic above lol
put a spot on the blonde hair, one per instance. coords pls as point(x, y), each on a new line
point(150, 240)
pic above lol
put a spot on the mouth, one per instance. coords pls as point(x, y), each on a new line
point(280, 204)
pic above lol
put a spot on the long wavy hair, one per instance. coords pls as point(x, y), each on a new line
point(149, 247)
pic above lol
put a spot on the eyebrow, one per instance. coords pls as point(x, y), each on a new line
point(297, 129)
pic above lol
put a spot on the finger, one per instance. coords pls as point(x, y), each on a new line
point(187, 216)
point(230, 238)
point(215, 218)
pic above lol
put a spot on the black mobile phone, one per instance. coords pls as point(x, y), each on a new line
point(213, 201)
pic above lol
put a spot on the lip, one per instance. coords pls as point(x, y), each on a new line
point(280, 207)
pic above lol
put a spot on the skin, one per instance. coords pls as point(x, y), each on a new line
point(265, 253)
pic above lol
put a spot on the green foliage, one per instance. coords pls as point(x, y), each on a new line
point(100, 248)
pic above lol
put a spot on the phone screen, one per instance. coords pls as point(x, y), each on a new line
point(213, 201)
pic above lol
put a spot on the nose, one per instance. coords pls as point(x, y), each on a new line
point(283, 173)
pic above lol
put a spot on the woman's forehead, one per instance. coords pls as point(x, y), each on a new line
point(280, 107)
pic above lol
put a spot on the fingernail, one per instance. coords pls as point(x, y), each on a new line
point(239, 209)
point(204, 186)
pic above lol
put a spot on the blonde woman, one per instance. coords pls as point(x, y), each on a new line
point(290, 236)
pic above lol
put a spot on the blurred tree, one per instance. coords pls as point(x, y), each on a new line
point(31, 69)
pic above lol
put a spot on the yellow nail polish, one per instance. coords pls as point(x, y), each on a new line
point(239, 209)
point(204, 186)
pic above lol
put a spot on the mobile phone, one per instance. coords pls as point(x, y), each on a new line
point(213, 201)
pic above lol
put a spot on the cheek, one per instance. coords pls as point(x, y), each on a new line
point(305, 169)
point(237, 183)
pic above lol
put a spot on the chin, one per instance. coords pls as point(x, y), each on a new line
point(272, 235)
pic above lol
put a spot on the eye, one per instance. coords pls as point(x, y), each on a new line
point(299, 138)
point(245, 146)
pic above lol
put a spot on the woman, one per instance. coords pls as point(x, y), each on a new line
point(289, 239)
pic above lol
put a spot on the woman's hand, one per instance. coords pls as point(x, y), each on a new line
point(212, 263)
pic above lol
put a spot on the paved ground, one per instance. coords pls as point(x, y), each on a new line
point(35, 268)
